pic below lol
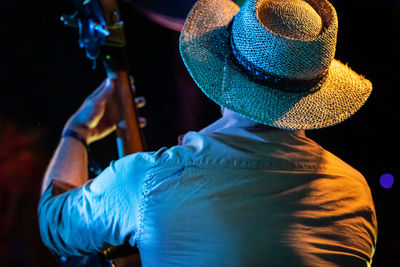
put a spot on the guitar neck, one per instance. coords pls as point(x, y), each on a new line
point(129, 134)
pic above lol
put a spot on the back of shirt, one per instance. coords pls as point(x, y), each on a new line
point(271, 198)
point(233, 197)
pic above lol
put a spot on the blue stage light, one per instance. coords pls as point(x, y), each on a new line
point(386, 180)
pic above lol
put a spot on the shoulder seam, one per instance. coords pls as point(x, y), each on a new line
point(143, 204)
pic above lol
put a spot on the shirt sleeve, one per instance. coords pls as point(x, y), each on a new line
point(101, 213)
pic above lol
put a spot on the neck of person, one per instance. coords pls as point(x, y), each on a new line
point(232, 119)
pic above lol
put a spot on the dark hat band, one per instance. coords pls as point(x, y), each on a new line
point(262, 77)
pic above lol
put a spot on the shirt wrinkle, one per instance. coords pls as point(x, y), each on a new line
point(247, 197)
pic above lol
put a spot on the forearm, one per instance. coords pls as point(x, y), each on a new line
point(69, 164)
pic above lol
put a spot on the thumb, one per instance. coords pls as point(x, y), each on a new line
point(105, 91)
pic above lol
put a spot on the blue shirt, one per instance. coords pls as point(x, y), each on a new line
point(234, 197)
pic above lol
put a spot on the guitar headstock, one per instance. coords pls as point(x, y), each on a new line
point(101, 34)
point(99, 23)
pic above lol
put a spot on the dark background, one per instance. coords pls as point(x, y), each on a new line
point(44, 77)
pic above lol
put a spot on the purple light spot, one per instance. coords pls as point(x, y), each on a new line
point(386, 180)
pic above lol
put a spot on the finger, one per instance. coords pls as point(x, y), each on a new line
point(140, 101)
point(105, 91)
point(98, 89)
point(105, 127)
point(142, 122)
point(96, 113)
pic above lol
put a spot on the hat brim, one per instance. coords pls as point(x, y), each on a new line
point(204, 46)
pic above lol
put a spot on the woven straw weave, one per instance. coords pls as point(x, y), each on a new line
point(293, 39)
point(277, 17)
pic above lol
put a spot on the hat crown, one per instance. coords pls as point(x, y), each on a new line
point(220, 39)
point(294, 39)
point(295, 19)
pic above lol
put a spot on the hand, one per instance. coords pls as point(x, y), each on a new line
point(92, 120)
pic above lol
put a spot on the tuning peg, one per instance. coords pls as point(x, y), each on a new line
point(100, 28)
point(70, 20)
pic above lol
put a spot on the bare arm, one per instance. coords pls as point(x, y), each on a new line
point(69, 163)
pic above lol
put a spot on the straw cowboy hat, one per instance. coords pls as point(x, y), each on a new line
point(272, 61)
